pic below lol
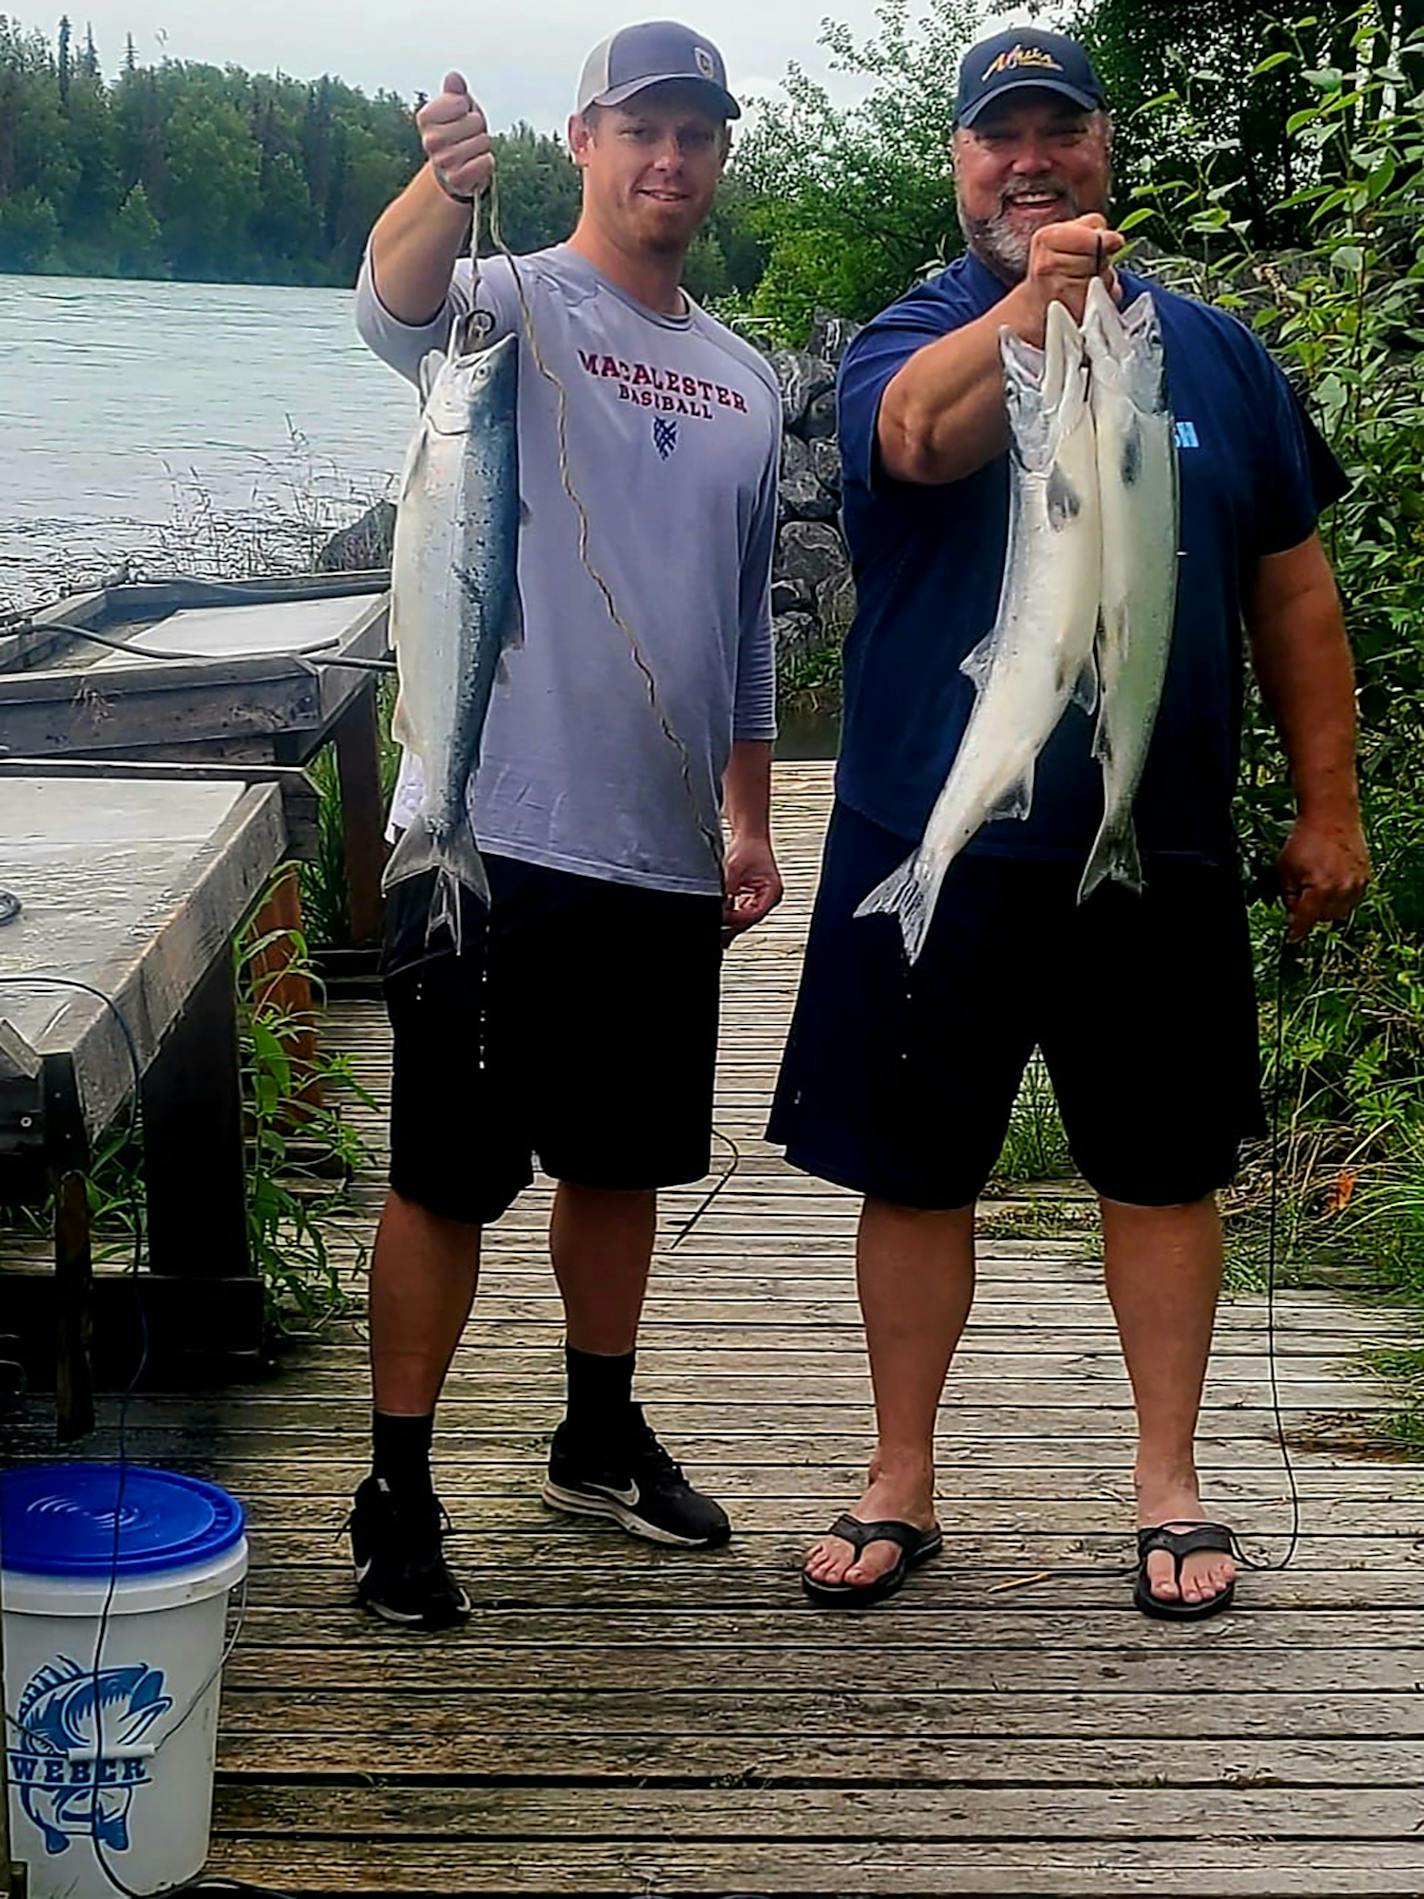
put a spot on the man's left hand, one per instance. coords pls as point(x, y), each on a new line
point(752, 884)
point(1324, 869)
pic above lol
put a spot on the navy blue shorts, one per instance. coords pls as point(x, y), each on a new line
point(899, 1082)
point(579, 1023)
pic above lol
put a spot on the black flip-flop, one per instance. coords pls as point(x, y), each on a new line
point(916, 1546)
point(1179, 1544)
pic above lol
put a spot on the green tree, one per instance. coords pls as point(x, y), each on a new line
point(29, 231)
point(137, 239)
point(854, 204)
point(539, 189)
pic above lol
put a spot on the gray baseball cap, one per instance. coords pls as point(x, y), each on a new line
point(654, 54)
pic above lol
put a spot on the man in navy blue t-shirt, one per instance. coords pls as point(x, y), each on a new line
point(899, 1082)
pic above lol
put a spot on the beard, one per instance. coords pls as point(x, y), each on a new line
point(1003, 245)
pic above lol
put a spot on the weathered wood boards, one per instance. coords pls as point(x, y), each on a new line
point(255, 699)
point(620, 1719)
point(131, 888)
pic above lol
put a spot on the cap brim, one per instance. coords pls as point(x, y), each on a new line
point(727, 107)
point(1086, 100)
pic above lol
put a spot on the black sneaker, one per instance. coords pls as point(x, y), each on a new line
point(630, 1478)
point(400, 1572)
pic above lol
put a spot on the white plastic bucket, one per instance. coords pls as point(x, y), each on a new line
point(125, 1791)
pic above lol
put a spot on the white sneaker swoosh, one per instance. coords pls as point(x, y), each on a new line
point(629, 1497)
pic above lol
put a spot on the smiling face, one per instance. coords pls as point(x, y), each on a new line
point(1033, 159)
point(651, 167)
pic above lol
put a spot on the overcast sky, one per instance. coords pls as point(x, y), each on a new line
point(525, 67)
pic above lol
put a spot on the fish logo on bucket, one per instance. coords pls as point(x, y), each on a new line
point(63, 1788)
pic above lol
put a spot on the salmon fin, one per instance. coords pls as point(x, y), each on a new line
point(1015, 800)
point(978, 664)
point(1115, 858)
point(401, 729)
point(456, 859)
point(513, 637)
point(910, 898)
point(514, 622)
point(1085, 689)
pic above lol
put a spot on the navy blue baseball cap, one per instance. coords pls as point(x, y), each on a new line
point(1021, 58)
point(654, 54)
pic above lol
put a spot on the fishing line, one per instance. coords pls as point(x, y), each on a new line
point(711, 836)
point(132, 1274)
point(1272, 1279)
point(314, 655)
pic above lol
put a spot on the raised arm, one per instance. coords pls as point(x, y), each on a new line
point(942, 416)
point(419, 238)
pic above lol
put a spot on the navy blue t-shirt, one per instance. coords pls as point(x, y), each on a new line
point(1255, 474)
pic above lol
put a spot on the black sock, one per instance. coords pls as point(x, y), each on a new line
point(600, 1388)
point(400, 1452)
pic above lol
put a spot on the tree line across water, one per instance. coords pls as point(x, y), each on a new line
point(193, 171)
point(184, 170)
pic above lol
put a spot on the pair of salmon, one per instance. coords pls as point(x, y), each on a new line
point(1088, 598)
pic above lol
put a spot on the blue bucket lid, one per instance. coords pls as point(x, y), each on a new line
point(58, 1520)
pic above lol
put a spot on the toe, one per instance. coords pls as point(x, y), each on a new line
point(1162, 1577)
point(875, 1561)
point(828, 1560)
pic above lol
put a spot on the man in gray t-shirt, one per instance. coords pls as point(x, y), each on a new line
point(580, 1021)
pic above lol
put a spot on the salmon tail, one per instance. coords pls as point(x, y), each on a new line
point(1115, 856)
point(455, 858)
point(910, 897)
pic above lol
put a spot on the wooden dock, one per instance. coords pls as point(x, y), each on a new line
point(618, 1719)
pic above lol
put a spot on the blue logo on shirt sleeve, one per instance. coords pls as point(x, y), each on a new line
point(1187, 436)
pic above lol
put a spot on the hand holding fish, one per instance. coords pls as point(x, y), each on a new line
point(1064, 259)
point(1324, 870)
point(455, 137)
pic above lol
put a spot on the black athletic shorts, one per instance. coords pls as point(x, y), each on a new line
point(899, 1081)
point(578, 1024)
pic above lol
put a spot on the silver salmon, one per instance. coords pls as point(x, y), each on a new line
point(1039, 653)
point(1137, 481)
point(454, 602)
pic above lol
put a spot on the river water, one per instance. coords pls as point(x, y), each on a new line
point(195, 427)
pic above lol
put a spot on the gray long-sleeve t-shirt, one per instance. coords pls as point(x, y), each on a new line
point(673, 447)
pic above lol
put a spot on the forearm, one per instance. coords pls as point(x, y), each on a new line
point(415, 247)
point(942, 416)
point(746, 790)
point(1307, 678)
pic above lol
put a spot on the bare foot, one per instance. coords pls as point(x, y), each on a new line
point(1175, 1504)
point(902, 1493)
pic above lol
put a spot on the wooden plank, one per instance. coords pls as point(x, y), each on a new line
point(417, 1732)
point(591, 1575)
point(1251, 1869)
point(150, 966)
point(999, 1625)
point(476, 1667)
point(492, 1814)
point(594, 1756)
point(299, 795)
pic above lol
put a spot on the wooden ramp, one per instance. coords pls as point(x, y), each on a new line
point(622, 1720)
